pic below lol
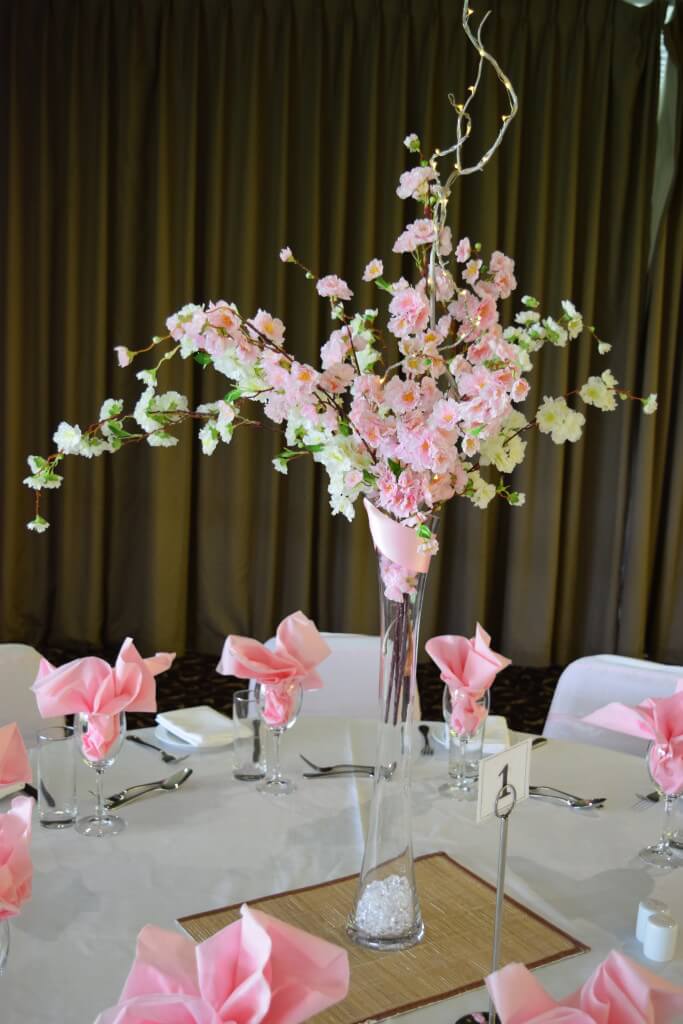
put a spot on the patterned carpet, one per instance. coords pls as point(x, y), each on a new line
point(523, 695)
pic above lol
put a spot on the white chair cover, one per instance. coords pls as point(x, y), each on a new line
point(589, 683)
point(18, 668)
point(350, 678)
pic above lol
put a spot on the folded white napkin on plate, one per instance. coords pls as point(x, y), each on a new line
point(496, 737)
point(16, 787)
point(200, 727)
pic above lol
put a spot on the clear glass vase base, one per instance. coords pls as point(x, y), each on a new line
point(384, 916)
point(91, 825)
point(276, 787)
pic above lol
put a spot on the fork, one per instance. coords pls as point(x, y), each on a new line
point(165, 756)
point(327, 769)
point(427, 748)
point(551, 793)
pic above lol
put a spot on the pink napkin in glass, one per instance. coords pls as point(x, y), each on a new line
point(618, 992)
point(14, 762)
point(659, 720)
point(299, 649)
point(256, 971)
point(468, 668)
point(16, 869)
point(93, 686)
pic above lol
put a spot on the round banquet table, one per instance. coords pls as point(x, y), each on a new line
point(218, 842)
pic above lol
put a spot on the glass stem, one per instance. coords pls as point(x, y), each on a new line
point(277, 736)
point(667, 827)
point(4, 943)
point(99, 812)
point(460, 764)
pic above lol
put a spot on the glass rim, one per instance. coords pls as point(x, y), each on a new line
point(245, 695)
point(54, 733)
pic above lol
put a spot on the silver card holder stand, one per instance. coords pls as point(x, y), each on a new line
point(505, 804)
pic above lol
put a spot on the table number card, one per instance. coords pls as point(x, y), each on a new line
point(511, 768)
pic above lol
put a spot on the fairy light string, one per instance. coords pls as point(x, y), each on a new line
point(463, 132)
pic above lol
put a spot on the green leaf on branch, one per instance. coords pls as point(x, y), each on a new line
point(203, 358)
point(117, 431)
point(423, 531)
point(344, 428)
point(233, 395)
point(395, 467)
point(369, 479)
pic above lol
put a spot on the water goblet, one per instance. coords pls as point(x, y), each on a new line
point(465, 718)
point(279, 706)
point(100, 738)
point(663, 855)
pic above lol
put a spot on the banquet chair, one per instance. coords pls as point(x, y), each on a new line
point(18, 668)
point(350, 678)
point(590, 683)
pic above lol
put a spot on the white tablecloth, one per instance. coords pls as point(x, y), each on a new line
point(217, 842)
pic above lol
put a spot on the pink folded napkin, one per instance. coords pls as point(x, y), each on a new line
point(256, 971)
point(14, 762)
point(299, 648)
point(92, 686)
point(658, 720)
point(618, 992)
point(468, 668)
point(16, 869)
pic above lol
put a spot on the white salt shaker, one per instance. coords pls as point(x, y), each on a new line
point(646, 908)
point(661, 933)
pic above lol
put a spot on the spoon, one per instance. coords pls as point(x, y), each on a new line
point(135, 792)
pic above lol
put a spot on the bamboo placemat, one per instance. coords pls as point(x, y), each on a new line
point(455, 955)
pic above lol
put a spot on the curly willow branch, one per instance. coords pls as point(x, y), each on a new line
point(463, 131)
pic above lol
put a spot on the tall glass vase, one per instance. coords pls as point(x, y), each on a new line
point(386, 914)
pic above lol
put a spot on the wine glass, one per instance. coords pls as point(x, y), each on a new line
point(100, 738)
point(662, 855)
point(279, 707)
point(465, 718)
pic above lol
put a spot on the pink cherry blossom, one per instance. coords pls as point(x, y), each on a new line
point(471, 271)
point(410, 312)
point(373, 270)
point(333, 287)
point(445, 242)
point(414, 184)
point(463, 250)
point(286, 254)
point(520, 389)
point(272, 328)
point(123, 355)
point(336, 348)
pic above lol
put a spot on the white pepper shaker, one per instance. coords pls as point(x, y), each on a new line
point(646, 908)
point(661, 933)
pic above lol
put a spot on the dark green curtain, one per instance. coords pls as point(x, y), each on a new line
point(161, 151)
point(652, 606)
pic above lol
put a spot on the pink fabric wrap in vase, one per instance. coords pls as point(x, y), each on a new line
point(661, 722)
point(299, 649)
point(14, 763)
point(256, 971)
point(16, 869)
point(618, 992)
point(468, 668)
point(91, 686)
